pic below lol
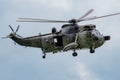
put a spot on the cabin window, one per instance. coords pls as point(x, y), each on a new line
point(55, 40)
point(58, 41)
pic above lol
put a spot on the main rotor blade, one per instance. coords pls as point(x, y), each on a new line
point(34, 19)
point(44, 21)
point(39, 20)
point(92, 18)
point(91, 10)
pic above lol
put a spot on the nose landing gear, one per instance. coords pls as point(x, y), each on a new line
point(92, 50)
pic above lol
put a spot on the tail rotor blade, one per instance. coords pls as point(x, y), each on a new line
point(19, 36)
point(11, 29)
point(6, 37)
point(17, 29)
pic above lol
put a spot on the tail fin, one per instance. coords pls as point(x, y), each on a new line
point(13, 34)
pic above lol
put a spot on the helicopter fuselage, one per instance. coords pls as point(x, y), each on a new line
point(70, 37)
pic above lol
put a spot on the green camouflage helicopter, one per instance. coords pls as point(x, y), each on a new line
point(70, 37)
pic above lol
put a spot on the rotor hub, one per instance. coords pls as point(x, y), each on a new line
point(73, 21)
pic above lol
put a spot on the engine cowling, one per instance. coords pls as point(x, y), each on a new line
point(54, 30)
point(89, 27)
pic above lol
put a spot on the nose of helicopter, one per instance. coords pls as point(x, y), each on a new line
point(96, 35)
point(96, 38)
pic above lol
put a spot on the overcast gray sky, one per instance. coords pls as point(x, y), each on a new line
point(20, 63)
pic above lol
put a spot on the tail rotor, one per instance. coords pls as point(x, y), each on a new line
point(14, 32)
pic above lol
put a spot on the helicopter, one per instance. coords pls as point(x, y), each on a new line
point(71, 36)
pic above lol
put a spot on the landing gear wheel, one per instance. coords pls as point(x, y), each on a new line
point(92, 51)
point(74, 54)
point(43, 56)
